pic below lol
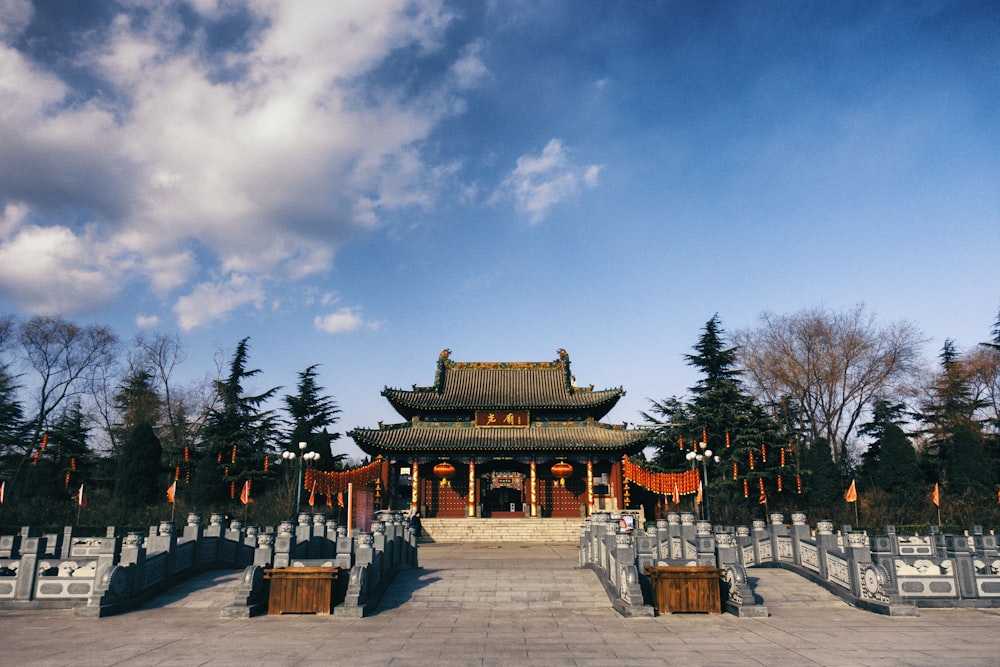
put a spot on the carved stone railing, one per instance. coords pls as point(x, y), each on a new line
point(888, 573)
point(98, 576)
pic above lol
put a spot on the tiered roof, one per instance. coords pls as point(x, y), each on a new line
point(442, 418)
point(470, 386)
point(463, 437)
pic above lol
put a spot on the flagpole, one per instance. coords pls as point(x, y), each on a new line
point(350, 508)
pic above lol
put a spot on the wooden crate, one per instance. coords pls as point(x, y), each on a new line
point(686, 589)
point(301, 590)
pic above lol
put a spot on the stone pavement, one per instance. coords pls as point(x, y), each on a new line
point(468, 621)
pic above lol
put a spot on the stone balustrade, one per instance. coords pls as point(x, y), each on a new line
point(98, 576)
point(888, 573)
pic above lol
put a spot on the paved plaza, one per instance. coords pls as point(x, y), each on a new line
point(502, 604)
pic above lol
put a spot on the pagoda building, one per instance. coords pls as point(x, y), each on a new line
point(504, 439)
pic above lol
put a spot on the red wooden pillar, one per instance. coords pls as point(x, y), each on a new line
point(617, 483)
point(472, 488)
point(415, 488)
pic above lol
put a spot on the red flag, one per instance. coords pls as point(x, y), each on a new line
point(312, 496)
point(677, 495)
point(340, 498)
point(171, 491)
point(936, 496)
point(245, 493)
point(3, 489)
point(81, 499)
point(1, 495)
point(698, 498)
point(329, 498)
point(852, 493)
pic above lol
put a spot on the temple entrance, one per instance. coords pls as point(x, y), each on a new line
point(503, 494)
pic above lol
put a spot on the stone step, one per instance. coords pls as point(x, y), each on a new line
point(780, 588)
point(210, 590)
point(496, 588)
point(501, 530)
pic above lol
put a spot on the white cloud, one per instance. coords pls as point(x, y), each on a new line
point(539, 182)
point(15, 16)
point(212, 300)
point(265, 158)
point(147, 321)
point(343, 320)
point(49, 270)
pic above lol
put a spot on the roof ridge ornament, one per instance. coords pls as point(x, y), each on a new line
point(570, 379)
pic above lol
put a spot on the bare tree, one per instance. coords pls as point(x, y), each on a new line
point(832, 364)
point(68, 360)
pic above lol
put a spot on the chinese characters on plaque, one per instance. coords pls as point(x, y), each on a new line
point(503, 419)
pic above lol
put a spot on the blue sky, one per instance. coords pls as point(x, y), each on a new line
point(361, 185)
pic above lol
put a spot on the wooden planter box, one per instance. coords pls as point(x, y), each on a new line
point(301, 590)
point(686, 589)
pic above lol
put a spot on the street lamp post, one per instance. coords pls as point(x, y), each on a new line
point(703, 457)
point(302, 456)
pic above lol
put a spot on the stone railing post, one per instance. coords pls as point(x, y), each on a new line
point(316, 536)
point(329, 539)
point(758, 531)
point(32, 549)
point(960, 552)
point(67, 543)
point(364, 552)
point(727, 551)
point(263, 555)
point(108, 554)
point(744, 539)
point(10, 546)
point(984, 545)
point(858, 553)
point(193, 529)
point(165, 538)
point(705, 541)
point(799, 532)
point(284, 544)
point(345, 548)
point(303, 534)
point(216, 525)
point(825, 541)
point(938, 540)
point(675, 548)
point(688, 534)
point(379, 546)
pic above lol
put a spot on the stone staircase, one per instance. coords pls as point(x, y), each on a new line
point(780, 588)
point(501, 530)
point(507, 576)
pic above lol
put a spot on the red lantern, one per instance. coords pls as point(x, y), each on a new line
point(445, 471)
point(561, 471)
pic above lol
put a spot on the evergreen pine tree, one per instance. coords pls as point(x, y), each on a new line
point(890, 463)
point(138, 482)
point(11, 414)
point(311, 413)
point(825, 484)
point(734, 427)
point(956, 437)
point(237, 435)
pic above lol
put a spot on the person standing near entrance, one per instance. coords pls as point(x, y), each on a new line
point(415, 522)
